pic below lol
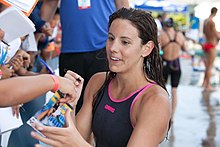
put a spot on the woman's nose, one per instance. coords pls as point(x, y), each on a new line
point(114, 46)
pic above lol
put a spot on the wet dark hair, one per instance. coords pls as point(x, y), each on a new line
point(214, 10)
point(145, 24)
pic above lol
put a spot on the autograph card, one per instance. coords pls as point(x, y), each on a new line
point(51, 114)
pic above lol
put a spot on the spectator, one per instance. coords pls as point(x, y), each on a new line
point(193, 33)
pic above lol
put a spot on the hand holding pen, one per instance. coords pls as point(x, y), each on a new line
point(77, 82)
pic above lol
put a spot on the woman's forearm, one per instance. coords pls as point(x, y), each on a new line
point(22, 89)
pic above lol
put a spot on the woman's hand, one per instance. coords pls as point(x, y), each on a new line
point(67, 83)
point(61, 137)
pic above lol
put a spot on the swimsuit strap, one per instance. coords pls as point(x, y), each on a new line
point(171, 40)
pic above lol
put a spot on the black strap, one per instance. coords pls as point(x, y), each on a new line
point(171, 40)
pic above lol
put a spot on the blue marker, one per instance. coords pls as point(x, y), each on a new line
point(47, 66)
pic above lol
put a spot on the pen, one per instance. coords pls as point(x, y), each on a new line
point(5, 43)
point(22, 108)
point(47, 66)
point(71, 107)
point(78, 79)
point(62, 95)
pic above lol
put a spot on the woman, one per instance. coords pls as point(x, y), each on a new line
point(128, 105)
point(172, 43)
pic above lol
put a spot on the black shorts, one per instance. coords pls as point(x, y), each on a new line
point(85, 64)
point(173, 69)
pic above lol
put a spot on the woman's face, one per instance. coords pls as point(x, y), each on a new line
point(123, 47)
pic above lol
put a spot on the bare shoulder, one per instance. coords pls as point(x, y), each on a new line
point(179, 33)
point(155, 94)
point(180, 36)
point(98, 79)
point(94, 84)
point(162, 37)
point(152, 112)
point(155, 99)
point(162, 33)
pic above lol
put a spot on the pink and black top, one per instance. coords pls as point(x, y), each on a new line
point(111, 124)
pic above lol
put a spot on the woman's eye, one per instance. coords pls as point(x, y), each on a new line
point(125, 42)
point(110, 38)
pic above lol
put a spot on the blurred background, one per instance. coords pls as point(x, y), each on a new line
point(197, 118)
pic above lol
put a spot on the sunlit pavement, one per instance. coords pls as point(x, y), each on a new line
point(197, 117)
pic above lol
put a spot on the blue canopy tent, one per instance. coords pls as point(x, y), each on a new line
point(162, 5)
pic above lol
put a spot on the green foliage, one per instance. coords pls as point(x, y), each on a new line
point(180, 20)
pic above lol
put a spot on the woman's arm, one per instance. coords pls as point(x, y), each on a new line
point(152, 114)
point(23, 89)
point(84, 117)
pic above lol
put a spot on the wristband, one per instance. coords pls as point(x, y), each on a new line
point(0, 74)
point(56, 83)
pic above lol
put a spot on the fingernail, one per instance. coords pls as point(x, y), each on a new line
point(33, 133)
point(40, 128)
point(76, 83)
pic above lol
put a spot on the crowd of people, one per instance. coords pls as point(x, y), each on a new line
point(101, 56)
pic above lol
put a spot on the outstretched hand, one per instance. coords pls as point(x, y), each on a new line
point(60, 137)
point(71, 84)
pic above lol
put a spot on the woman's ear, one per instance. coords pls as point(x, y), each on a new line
point(147, 48)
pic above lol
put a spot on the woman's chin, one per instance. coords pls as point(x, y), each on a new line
point(113, 69)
